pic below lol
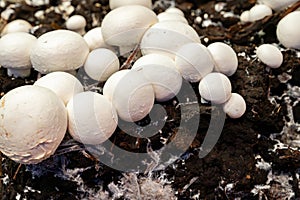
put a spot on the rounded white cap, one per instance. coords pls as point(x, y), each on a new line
point(15, 50)
point(101, 64)
point(92, 118)
point(288, 30)
point(167, 37)
point(215, 87)
point(33, 124)
point(278, 4)
point(259, 11)
point(63, 84)
point(76, 23)
point(166, 16)
point(131, 93)
point(59, 50)
point(174, 10)
point(235, 107)
point(164, 77)
point(269, 55)
point(118, 3)
point(95, 40)
point(18, 25)
point(225, 58)
point(245, 16)
point(125, 26)
point(194, 61)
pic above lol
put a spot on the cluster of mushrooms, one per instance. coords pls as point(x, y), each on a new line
point(35, 118)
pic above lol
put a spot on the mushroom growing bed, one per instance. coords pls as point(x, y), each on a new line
point(257, 155)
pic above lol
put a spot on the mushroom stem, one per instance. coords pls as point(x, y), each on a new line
point(22, 73)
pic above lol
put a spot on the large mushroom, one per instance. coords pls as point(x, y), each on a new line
point(15, 49)
point(33, 122)
point(59, 50)
point(125, 26)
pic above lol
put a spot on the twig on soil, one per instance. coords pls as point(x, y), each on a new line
point(17, 171)
point(131, 57)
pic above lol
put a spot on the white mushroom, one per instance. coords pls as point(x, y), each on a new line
point(225, 58)
point(269, 55)
point(101, 64)
point(215, 87)
point(33, 123)
point(288, 31)
point(167, 37)
point(194, 61)
point(77, 24)
point(15, 49)
point(174, 10)
point(259, 11)
point(95, 40)
point(245, 16)
point(118, 3)
point(125, 26)
point(92, 118)
point(59, 50)
point(18, 25)
point(161, 71)
point(235, 107)
point(278, 4)
point(166, 16)
point(63, 84)
point(131, 94)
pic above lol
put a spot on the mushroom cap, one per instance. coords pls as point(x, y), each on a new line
point(95, 40)
point(245, 16)
point(167, 37)
point(225, 58)
point(59, 50)
point(167, 16)
point(15, 49)
point(235, 107)
point(174, 11)
point(131, 94)
point(92, 118)
point(125, 26)
point(215, 87)
point(269, 55)
point(76, 22)
point(101, 64)
point(164, 77)
point(33, 124)
point(194, 61)
point(18, 25)
point(277, 4)
point(63, 84)
point(288, 32)
point(259, 11)
point(118, 3)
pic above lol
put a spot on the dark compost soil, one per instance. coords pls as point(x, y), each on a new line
point(230, 170)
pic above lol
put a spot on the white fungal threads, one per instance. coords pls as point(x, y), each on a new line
point(33, 123)
point(101, 64)
point(288, 32)
point(270, 55)
point(92, 118)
